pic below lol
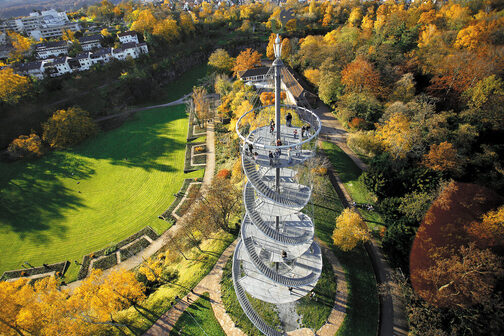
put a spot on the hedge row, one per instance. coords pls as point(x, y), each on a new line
point(86, 261)
point(58, 267)
point(134, 248)
point(105, 262)
point(187, 163)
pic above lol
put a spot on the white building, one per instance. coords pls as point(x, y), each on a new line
point(52, 49)
point(127, 37)
point(90, 42)
point(84, 60)
point(35, 69)
point(45, 24)
point(131, 49)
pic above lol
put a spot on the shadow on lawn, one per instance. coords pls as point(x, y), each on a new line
point(343, 165)
point(34, 195)
point(141, 142)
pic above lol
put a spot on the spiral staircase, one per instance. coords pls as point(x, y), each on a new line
point(276, 259)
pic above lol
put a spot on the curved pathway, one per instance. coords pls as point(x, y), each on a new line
point(211, 284)
point(161, 241)
point(393, 319)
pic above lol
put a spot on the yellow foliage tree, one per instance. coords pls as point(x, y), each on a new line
point(270, 52)
point(167, 29)
point(12, 86)
point(313, 76)
point(105, 32)
point(286, 48)
point(350, 230)
point(396, 135)
point(68, 35)
point(68, 127)
point(237, 172)
point(144, 22)
point(359, 76)
point(20, 43)
point(13, 296)
point(221, 60)
point(355, 16)
point(186, 23)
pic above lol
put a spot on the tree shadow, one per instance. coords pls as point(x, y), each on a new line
point(32, 195)
point(140, 142)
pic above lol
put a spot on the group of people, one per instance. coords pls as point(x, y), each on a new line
point(368, 207)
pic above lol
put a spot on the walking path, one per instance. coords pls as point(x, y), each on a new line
point(211, 284)
point(393, 319)
point(168, 234)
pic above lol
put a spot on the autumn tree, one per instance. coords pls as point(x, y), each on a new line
point(12, 86)
point(270, 51)
point(201, 104)
point(223, 201)
point(486, 104)
point(313, 76)
point(14, 296)
point(144, 22)
point(68, 127)
point(167, 29)
point(350, 230)
point(396, 135)
point(26, 146)
point(489, 231)
point(221, 61)
point(20, 44)
point(186, 23)
point(360, 76)
point(247, 59)
point(222, 85)
point(442, 157)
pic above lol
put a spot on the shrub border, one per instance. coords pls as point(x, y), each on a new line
point(57, 267)
point(86, 260)
point(134, 248)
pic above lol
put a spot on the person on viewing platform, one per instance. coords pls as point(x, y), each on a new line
point(256, 156)
point(251, 148)
point(272, 126)
point(295, 134)
point(270, 155)
point(303, 129)
point(288, 119)
point(289, 155)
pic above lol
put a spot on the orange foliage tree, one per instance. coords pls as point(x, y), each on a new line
point(359, 76)
point(247, 59)
point(26, 146)
point(442, 157)
point(448, 268)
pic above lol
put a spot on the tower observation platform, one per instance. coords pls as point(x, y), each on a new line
point(276, 259)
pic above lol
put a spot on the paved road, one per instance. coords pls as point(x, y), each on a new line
point(393, 319)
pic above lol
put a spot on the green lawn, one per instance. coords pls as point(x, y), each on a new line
point(198, 320)
point(363, 306)
point(70, 203)
point(349, 173)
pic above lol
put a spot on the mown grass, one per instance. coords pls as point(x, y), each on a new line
point(71, 203)
point(316, 310)
point(349, 174)
point(198, 320)
point(266, 310)
point(363, 307)
point(190, 274)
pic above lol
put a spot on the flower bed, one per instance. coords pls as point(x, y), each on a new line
point(105, 262)
point(191, 194)
point(58, 267)
point(86, 261)
point(167, 215)
point(188, 167)
point(134, 248)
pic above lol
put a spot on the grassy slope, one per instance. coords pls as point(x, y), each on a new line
point(73, 202)
point(349, 174)
point(362, 311)
point(190, 274)
point(198, 320)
